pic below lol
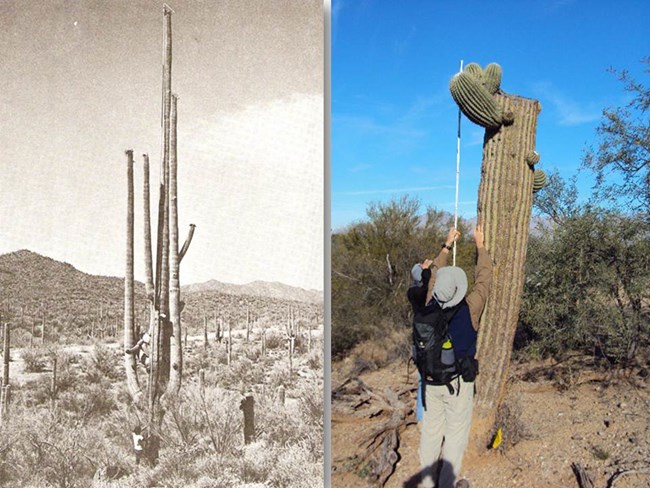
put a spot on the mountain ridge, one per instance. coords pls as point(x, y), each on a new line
point(41, 271)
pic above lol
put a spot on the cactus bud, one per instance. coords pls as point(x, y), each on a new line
point(532, 158)
point(539, 180)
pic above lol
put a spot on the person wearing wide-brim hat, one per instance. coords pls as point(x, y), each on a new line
point(447, 411)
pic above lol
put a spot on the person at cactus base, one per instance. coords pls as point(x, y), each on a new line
point(138, 439)
point(447, 412)
point(417, 296)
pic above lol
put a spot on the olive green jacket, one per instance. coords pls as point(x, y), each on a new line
point(477, 298)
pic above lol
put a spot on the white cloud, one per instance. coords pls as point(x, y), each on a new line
point(570, 111)
point(252, 182)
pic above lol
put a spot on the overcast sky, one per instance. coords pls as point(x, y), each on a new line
point(81, 83)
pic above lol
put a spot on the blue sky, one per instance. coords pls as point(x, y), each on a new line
point(394, 122)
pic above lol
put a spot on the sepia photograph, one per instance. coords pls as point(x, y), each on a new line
point(490, 254)
point(162, 243)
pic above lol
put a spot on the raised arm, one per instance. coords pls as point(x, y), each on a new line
point(441, 260)
point(482, 279)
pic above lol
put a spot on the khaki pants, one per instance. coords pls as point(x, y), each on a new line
point(447, 416)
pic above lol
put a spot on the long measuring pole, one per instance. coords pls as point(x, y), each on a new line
point(457, 176)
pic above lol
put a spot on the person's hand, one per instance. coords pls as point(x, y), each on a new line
point(452, 236)
point(426, 263)
point(479, 238)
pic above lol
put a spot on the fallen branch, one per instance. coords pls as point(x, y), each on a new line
point(623, 472)
point(584, 481)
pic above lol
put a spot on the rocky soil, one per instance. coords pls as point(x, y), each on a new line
point(555, 417)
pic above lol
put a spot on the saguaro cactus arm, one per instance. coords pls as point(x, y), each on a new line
point(186, 244)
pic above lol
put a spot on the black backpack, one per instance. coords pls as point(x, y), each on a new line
point(435, 365)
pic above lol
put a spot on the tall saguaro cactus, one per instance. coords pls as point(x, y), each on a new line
point(129, 360)
point(162, 288)
point(176, 353)
point(504, 208)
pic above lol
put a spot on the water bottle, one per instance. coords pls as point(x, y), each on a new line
point(447, 356)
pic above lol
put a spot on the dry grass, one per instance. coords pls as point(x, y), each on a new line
point(82, 432)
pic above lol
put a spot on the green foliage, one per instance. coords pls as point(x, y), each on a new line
point(371, 265)
point(587, 281)
point(622, 159)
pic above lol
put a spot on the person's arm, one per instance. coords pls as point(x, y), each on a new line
point(477, 299)
point(441, 260)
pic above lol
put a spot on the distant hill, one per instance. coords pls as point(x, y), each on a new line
point(73, 303)
point(258, 288)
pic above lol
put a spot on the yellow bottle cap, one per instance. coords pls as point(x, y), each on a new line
point(446, 344)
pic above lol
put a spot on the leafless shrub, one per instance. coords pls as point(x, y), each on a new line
point(512, 426)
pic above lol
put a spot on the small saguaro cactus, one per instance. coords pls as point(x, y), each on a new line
point(248, 407)
point(248, 324)
point(53, 386)
point(229, 343)
point(5, 390)
point(219, 328)
point(205, 331)
point(263, 339)
point(281, 394)
point(291, 335)
point(6, 354)
point(202, 381)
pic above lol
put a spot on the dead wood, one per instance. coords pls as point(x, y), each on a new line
point(380, 446)
point(622, 472)
point(581, 475)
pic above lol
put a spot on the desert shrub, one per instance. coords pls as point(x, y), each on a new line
point(255, 462)
point(210, 422)
point(36, 393)
point(369, 297)
point(295, 466)
point(275, 340)
point(50, 450)
point(102, 364)
point(279, 375)
point(36, 359)
point(586, 280)
point(241, 372)
point(88, 401)
point(276, 424)
point(512, 426)
point(315, 361)
point(200, 358)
